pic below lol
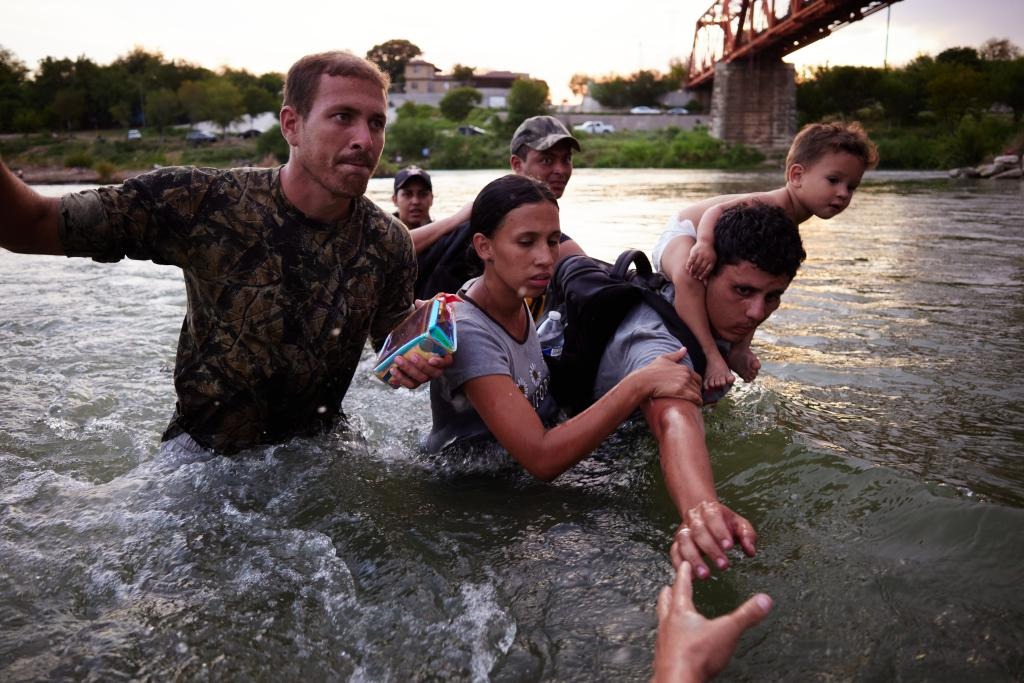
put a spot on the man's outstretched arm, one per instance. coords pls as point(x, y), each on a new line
point(28, 221)
point(709, 527)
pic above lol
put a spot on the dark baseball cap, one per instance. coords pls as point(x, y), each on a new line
point(541, 133)
point(407, 174)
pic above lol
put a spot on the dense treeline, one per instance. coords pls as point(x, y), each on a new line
point(137, 89)
point(948, 110)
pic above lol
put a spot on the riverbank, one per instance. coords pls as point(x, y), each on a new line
point(109, 157)
point(58, 175)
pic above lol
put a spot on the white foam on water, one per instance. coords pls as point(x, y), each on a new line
point(481, 621)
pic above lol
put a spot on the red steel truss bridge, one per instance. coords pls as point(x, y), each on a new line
point(733, 29)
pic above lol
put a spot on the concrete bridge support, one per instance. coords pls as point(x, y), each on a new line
point(753, 101)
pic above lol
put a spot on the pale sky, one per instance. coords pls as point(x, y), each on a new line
point(548, 40)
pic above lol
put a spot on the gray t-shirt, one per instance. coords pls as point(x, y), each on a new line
point(640, 338)
point(485, 348)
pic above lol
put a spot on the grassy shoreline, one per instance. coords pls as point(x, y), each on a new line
point(109, 157)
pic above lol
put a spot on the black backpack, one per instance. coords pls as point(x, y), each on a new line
point(444, 266)
point(594, 297)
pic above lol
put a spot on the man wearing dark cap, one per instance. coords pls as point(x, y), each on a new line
point(541, 148)
point(413, 196)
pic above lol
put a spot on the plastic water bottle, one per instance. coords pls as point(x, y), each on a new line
point(551, 334)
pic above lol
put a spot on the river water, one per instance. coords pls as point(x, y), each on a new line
point(879, 455)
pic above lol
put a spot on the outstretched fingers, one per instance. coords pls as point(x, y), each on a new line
point(682, 588)
point(709, 529)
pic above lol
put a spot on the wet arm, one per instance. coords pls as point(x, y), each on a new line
point(678, 427)
point(708, 527)
point(28, 221)
point(546, 453)
point(424, 236)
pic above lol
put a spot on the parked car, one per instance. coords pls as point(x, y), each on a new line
point(251, 133)
point(595, 127)
point(678, 110)
point(644, 110)
point(471, 130)
point(200, 137)
point(134, 134)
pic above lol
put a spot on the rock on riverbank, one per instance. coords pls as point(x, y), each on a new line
point(1006, 167)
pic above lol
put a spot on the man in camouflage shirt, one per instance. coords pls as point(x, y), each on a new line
point(288, 270)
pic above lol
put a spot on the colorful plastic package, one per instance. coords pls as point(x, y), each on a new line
point(428, 331)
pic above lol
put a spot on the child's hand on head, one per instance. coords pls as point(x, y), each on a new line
point(701, 261)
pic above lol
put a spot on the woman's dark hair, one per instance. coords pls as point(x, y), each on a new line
point(499, 198)
point(761, 234)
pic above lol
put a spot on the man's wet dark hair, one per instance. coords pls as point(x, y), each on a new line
point(761, 234)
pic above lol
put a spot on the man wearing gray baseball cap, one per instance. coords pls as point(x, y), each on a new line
point(541, 148)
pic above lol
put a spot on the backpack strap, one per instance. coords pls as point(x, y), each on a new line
point(650, 283)
point(675, 325)
point(630, 257)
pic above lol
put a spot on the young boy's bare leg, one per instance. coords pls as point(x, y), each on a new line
point(689, 305)
point(743, 361)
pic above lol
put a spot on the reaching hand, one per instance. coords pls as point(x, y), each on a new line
point(701, 261)
point(667, 377)
point(691, 648)
point(710, 528)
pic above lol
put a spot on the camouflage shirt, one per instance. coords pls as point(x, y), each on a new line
point(279, 305)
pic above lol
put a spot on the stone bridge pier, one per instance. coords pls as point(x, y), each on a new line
point(753, 101)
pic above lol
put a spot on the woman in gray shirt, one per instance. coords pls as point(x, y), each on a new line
point(498, 383)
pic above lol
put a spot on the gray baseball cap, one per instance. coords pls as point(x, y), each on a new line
point(541, 133)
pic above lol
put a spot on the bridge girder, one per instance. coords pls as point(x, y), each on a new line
point(734, 29)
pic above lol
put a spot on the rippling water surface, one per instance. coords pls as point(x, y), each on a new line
point(879, 454)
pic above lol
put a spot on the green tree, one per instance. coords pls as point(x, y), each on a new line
point(463, 75)
point(192, 96)
point(223, 101)
point(964, 56)
point(647, 88)
point(1008, 86)
point(162, 109)
point(527, 97)
point(998, 50)
point(27, 121)
point(392, 56)
point(457, 103)
point(413, 130)
point(12, 88)
point(678, 72)
point(579, 84)
point(256, 100)
point(142, 71)
point(69, 106)
point(956, 90)
point(273, 83)
point(121, 113)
